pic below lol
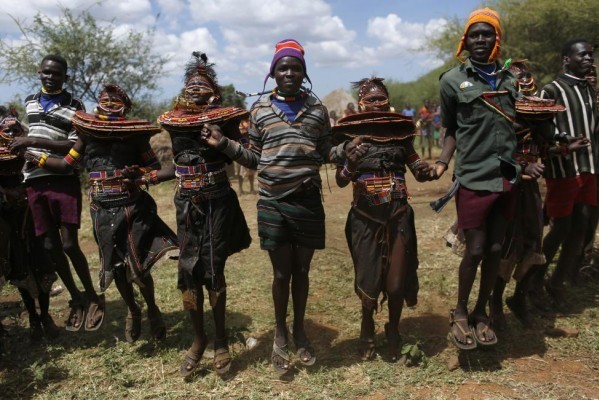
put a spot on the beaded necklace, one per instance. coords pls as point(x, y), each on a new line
point(302, 94)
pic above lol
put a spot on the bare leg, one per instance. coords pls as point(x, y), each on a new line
point(70, 245)
point(395, 287)
point(475, 243)
point(282, 263)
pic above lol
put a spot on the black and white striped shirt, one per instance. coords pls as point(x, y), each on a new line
point(52, 125)
point(579, 119)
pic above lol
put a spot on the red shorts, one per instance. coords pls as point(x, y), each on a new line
point(474, 206)
point(54, 201)
point(564, 193)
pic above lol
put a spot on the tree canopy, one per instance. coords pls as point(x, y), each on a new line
point(533, 29)
point(96, 54)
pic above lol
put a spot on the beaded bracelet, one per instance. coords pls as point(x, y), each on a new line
point(42, 160)
point(346, 174)
point(444, 163)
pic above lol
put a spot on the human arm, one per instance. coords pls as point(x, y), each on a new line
point(421, 170)
point(354, 150)
point(20, 144)
point(56, 164)
point(247, 156)
point(449, 144)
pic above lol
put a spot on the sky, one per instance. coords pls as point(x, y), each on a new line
point(344, 40)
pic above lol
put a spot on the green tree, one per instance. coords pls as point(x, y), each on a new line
point(533, 29)
point(231, 97)
point(96, 55)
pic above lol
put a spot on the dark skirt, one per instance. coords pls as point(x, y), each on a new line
point(209, 231)
point(23, 260)
point(371, 233)
point(130, 236)
point(523, 241)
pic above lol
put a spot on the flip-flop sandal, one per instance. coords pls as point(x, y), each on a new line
point(305, 351)
point(278, 354)
point(466, 333)
point(366, 349)
point(474, 321)
point(76, 317)
point(157, 326)
point(93, 322)
point(192, 361)
point(132, 327)
point(222, 360)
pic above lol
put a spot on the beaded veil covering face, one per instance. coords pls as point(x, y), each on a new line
point(200, 102)
point(375, 126)
point(108, 120)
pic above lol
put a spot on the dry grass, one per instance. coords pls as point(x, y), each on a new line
point(101, 365)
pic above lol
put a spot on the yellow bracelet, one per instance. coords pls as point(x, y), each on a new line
point(42, 160)
point(74, 154)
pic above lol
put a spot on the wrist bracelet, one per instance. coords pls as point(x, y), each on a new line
point(445, 163)
point(42, 160)
point(345, 174)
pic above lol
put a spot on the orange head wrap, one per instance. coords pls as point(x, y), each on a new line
point(487, 16)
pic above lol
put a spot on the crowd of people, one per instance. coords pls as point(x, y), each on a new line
point(504, 133)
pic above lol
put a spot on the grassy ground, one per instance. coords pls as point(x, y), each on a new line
point(526, 364)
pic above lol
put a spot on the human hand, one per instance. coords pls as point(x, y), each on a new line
point(354, 151)
point(577, 143)
point(424, 171)
point(211, 134)
point(19, 144)
point(534, 170)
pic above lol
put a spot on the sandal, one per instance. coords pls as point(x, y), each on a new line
point(453, 321)
point(280, 359)
point(481, 335)
point(76, 316)
point(132, 326)
point(394, 341)
point(157, 326)
point(366, 349)
point(95, 315)
point(192, 360)
point(305, 351)
point(222, 358)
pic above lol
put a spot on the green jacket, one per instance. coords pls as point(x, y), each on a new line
point(481, 120)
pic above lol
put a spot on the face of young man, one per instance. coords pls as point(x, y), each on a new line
point(289, 74)
point(580, 60)
point(52, 75)
point(480, 41)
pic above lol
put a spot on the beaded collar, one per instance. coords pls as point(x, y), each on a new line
point(302, 94)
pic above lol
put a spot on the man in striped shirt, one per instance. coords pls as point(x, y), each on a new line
point(55, 198)
point(570, 176)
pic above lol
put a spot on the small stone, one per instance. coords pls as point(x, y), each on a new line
point(562, 332)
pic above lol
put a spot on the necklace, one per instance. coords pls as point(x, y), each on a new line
point(302, 94)
point(482, 71)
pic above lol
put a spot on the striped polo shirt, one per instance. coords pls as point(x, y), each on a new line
point(579, 119)
point(286, 154)
point(52, 125)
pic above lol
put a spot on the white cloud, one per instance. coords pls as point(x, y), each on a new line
point(398, 37)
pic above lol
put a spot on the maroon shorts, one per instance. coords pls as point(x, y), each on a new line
point(54, 201)
point(564, 193)
point(474, 206)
